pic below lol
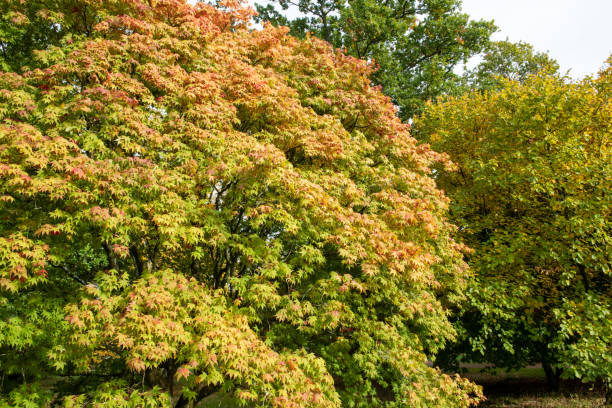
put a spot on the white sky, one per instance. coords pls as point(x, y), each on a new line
point(577, 33)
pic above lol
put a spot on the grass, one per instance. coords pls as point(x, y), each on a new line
point(218, 400)
point(526, 388)
point(545, 401)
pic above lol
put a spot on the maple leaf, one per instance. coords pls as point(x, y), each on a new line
point(136, 364)
point(182, 372)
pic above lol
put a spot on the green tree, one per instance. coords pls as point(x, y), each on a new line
point(532, 196)
point(416, 44)
point(505, 59)
point(190, 207)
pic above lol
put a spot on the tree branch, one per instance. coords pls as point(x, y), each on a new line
point(72, 275)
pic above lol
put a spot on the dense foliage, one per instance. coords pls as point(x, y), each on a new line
point(505, 59)
point(189, 208)
point(531, 196)
point(417, 44)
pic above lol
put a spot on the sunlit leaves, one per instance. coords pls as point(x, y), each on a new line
point(531, 196)
point(208, 209)
point(415, 44)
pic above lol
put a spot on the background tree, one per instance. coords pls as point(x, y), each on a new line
point(531, 196)
point(505, 59)
point(417, 44)
point(190, 207)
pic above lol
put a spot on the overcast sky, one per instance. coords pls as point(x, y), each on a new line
point(577, 33)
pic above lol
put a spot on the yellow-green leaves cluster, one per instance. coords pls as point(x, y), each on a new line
point(532, 196)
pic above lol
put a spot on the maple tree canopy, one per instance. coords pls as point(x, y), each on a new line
point(192, 209)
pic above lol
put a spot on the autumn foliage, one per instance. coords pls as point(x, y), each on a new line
point(193, 208)
point(531, 196)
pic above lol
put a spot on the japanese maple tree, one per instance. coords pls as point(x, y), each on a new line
point(193, 208)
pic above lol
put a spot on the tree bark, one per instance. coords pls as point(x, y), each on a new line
point(553, 376)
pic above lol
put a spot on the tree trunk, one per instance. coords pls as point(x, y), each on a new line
point(553, 376)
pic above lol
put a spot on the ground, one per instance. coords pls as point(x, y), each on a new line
point(526, 388)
